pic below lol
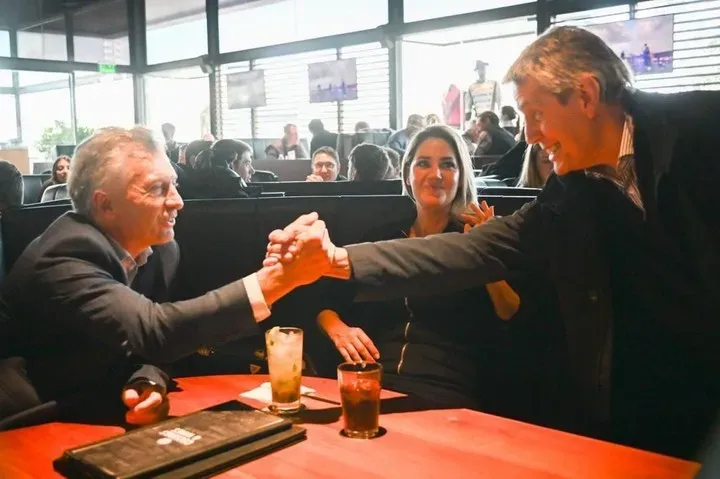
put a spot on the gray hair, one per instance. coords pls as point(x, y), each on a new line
point(557, 58)
point(467, 191)
point(101, 155)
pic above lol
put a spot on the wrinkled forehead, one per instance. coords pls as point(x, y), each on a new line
point(140, 165)
point(323, 158)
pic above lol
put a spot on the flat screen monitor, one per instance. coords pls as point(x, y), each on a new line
point(333, 81)
point(246, 90)
point(646, 44)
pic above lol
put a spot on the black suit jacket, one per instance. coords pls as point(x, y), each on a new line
point(323, 138)
point(67, 309)
point(557, 236)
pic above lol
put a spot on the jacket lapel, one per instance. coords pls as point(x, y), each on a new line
point(654, 142)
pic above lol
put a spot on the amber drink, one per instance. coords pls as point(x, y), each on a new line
point(360, 385)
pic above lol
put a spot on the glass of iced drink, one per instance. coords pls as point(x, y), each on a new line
point(360, 385)
point(284, 355)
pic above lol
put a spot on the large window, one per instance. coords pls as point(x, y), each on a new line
point(426, 9)
point(4, 43)
point(288, 96)
point(101, 33)
point(45, 116)
point(696, 45)
point(46, 41)
point(255, 23)
point(175, 30)
point(8, 120)
point(696, 41)
point(180, 97)
point(113, 92)
point(434, 61)
point(373, 102)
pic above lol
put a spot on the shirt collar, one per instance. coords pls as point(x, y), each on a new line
point(627, 146)
point(130, 265)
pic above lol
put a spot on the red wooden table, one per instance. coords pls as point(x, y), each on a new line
point(418, 443)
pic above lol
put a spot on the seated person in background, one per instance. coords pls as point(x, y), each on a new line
point(471, 136)
point(242, 164)
point(172, 147)
point(60, 171)
point(361, 125)
point(399, 140)
point(192, 150)
point(368, 162)
point(435, 347)
point(320, 136)
point(493, 139)
point(536, 169)
point(325, 165)
point(11, 186)
point(394, 162)
point(432, 119)
point(509, 120)
point(511, 163)
point(288, 147)
point(67, 306)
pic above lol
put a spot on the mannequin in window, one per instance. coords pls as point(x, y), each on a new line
point(483, 95)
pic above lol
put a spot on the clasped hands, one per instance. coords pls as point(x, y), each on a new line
point(303, 249)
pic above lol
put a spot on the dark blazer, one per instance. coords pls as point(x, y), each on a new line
point(66, 308)
point(323, 138)
point(559, 236)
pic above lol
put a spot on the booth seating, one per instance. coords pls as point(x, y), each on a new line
point(333, 188)
point(32, 185)
point(483, 161)
point(223, 240)
point(55, 192)
point(264, 175)
point(507, 191)
point(286, 170)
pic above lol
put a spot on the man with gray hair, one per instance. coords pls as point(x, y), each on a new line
point(627, 231)
point(68, 306)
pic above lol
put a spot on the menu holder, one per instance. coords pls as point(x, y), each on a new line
point(196, 445)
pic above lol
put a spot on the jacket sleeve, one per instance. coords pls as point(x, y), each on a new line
point(147, 372)
point(74, 281)
point(450, 261)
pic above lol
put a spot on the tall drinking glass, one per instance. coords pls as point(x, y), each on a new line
point(360, 385)
point(284, 355)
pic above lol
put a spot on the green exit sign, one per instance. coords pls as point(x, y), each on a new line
point(106, 68)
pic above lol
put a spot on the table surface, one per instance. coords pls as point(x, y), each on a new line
point(419, 443)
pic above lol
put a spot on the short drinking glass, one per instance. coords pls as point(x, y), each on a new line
point(360, 385)
point(284, 355)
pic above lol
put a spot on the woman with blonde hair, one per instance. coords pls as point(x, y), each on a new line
point(536, 168)
point(432, 346)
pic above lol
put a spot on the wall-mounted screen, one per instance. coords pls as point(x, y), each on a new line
point(646, 44)
point(333, 81)
point(246, 89)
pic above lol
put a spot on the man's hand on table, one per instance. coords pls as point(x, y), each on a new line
point(147, 403)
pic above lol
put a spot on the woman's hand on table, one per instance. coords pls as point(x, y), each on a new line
point(352, 343)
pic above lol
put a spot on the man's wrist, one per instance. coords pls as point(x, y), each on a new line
point(143, 383)
point(340, 265)
point(273, 283)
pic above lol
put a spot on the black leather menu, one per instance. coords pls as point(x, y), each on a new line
point(196, 445)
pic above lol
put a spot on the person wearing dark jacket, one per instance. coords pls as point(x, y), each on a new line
point(68, 308)
point(493, 139)
point(399, 140)
point(443, 363)
point(627, 231)
point(321, 137)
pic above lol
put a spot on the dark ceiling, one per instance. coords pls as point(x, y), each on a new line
point(101, 18)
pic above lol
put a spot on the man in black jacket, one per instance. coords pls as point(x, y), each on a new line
point(67, 308)
point(321, 137)
point(627, 231)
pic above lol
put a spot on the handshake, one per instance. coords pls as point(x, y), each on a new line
point(304, 250)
